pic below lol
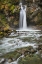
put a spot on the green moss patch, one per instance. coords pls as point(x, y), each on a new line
point(35, 59)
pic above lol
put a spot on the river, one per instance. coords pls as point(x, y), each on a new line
point(19, 40)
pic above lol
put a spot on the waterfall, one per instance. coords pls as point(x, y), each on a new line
point(24, 19)
point(22, 23)
point(21, 17)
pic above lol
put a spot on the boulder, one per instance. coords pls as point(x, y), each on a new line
point(10, 60)
point(2, 60)
point(33, 51)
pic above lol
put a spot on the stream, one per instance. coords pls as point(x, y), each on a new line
point(19, 40)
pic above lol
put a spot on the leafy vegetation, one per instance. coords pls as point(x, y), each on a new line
point(7, 10)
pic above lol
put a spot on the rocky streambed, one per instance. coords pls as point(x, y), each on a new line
point(23, 55)
point(22, 47)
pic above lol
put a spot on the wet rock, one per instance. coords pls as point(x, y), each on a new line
point(29, 51)
point(26, 52)
point(41, 55)
point(33, 51)
point(40, 51)
point(40, 47)
point(2, 61)
point(30, 47)
point(10, 60)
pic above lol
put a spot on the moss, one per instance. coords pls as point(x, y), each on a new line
point(3, 21)
point(14, 55)
point(1, 34)
point(4, 32)
point(17, 53)
point(7, 10)
point(39, 21)
point(27, 59)
point(35, 59)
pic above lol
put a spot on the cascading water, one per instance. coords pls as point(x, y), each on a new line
point(21, 17)
point(24, 19)
point(23, 23)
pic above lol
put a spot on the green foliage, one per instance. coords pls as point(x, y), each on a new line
point(12, 8)
point(8, 7)
point(3, 20)
point(10, 1)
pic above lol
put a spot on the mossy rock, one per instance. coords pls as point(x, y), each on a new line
point(14, 55)
point(35, 59)
point(17, 53)
point(1, 34)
